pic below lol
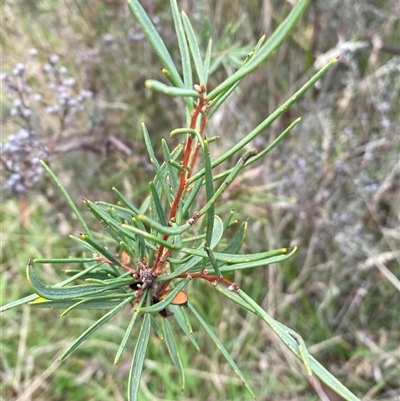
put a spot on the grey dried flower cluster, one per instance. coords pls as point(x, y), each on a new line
point(20, 154)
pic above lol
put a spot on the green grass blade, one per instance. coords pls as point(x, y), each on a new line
point(138, 359)
point(93, 328)
point(223, 350)
point(269, 120)
point(266, 50)
point(173, 350)
point(156, 41)
point(67, 197)
point(194, 48)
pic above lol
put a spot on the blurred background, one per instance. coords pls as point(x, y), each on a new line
point(73, 93)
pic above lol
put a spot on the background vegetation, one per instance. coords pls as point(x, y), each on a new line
point(332, 188)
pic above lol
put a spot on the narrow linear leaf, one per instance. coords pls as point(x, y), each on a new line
point(268, 121)
point(19, 302)
point(209, 192)
point(157, 328)
point(127, 333)
point(67, 197)
point(266, 50)
point(237, 242)
point(139, 353)
point(64, 260)
point(228, 181)
point(223, 350)
point(159, 306)
point(183, 46)
point(63, 293)
point(125, 201)
point(207, 61)
point(156, 41)
point(173, 176)
point(286, 335)
point(274, 143)
point(161, 179)
point(93, 328)
point(181, 317)
point(171, 90)
point(103, 251)
point(182, 131)
point(177, 230)
point(213, 261)
point(173, 350)
point(194, 48)
point(131, 232)
point(258, 263)
point(157, 203)
point(99, 304)
point(193, 191)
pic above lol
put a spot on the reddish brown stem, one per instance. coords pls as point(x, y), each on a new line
point(160, 258)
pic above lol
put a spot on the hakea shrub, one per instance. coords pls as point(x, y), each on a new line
point(175, 236)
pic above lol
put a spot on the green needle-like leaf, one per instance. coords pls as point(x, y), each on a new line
point(138, 359)
point(93, 328)
point(291, 340)
point(77, 291)
point(268, 121)
point(173, 350)
point(155, 39)
point(157, 203)
point(266, 50)
point(159, 306)
point(170, 90)
point(161, 178)
point(194, 48)
point(127, 332)
point(237, 242)
point(209, 192)
point(183, 46)
point(67, 197)
point(223, 350)
point(103, 251)
point(181, 317)
point(207, 60)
